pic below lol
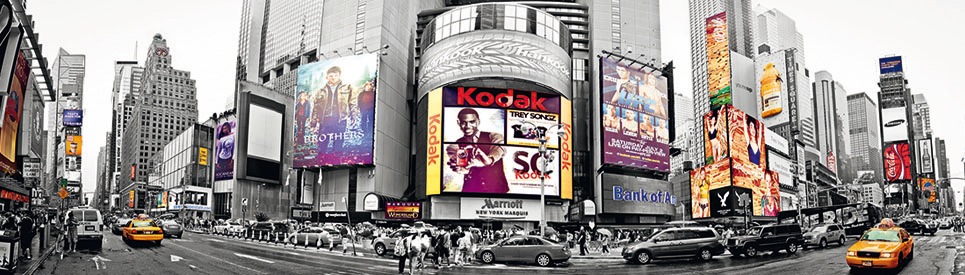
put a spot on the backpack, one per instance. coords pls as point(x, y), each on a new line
point(400, 247)
point(415, 245)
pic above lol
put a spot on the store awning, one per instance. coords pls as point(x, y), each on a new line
point(376, 202)
point(10, 189)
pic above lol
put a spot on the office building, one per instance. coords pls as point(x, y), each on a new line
point(183, 169)
point(871, 192)
point(277, 36)
point(127, 85)
point(165, 106)
point(921, 117)
point(68, 76)
point(825, 93)
point(865, 135)
point(684, 117)
point(895, 110)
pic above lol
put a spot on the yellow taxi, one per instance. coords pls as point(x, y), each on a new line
point(882, 247)
point(142, 230)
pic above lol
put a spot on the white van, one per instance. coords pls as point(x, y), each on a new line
point(89, 225)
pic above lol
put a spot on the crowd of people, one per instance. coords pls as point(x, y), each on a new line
point(25, 225)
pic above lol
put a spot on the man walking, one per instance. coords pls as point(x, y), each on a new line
point(581, 239)
point(27, 232)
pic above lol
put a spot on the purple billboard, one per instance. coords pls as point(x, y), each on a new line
point(335, 112)
point(225, 150)
point(636, 124)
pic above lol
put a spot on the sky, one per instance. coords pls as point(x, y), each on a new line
point(202, 37)
point(846, 38)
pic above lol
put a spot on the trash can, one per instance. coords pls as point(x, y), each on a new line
point(9, 251)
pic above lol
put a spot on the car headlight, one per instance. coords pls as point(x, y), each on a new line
point(852, 253)
point(887, 254)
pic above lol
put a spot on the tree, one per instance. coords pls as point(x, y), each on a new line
point(261, 217)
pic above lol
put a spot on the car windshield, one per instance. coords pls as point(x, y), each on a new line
point(881, 236)
point(142, 223)
point(754, 231)
point(819, 229)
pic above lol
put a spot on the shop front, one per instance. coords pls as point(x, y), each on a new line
point(635, 201)
point(12, 196)
point(190, 202)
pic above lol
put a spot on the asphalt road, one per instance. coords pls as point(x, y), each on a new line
point(208, 254)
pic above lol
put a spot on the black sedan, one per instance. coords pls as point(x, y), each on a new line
point(919, 226)
point(116, 227)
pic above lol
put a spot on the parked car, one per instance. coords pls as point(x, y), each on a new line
point(919, 226)
point(386, 244)
point(310, 236)
point(229, 227)
point(172, 228)
point(700, 242)
point(945, 224)
point(767, 237)
point(89, 225)
point(268, 230)
point(821, 234)
point(881, 248)
point(524, 249)
point(118, 225)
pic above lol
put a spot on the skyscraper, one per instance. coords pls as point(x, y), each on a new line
point(829, 120)
point(776, 32)
point(740, 39)
point(127, 84)
point(684, 117)
point(921, 117)
point(68, 71)
point(275, 36)
point(894, 104)
point(865, 135)
point(166, 105)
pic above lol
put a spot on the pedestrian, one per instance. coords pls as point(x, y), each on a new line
point(415, 250)
point(465, 245)
point(402, 251)
point(442, 248)
point(27, 232)
point(581, 239)
point(71, 225)
point(454, 237)
point(605, 242)
point(344, 231)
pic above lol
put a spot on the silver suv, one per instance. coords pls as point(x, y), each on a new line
point(822, 234)
point(700, 242)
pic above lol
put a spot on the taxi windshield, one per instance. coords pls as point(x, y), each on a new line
point(881, 236)
point(142, 223)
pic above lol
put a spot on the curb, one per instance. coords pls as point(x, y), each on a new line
point(43, 257)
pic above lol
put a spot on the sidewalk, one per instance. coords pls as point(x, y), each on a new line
point(37, 255)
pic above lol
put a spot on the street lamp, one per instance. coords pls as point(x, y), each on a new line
point(547, 158)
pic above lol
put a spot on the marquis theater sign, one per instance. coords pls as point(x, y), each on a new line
point(403, 210)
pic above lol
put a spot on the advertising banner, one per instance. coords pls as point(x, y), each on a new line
point(542, 121)
point(768, 197)
point(12, 113)
point(308, 187)
point(403, 210)
point(335, 112)
point(478, 157)
point(782, 166)
point(31, 168)
point(894, 124)
point(224, 147)
point(72, 130)
point(203, 156)
point(746, 137)
point(498, 209)
point(727, 201)
point(927, 187)
point(130, 199)
point(566, 150)
point(925, 157)
point(74, 118)
point(434, 143)
point(704, 179)
point(771, 71)
point(716, 144)
point(890, 65)
point(637, 195)
point(897, 161)
point(718, 61)
point(74, 145)
point(636, 126)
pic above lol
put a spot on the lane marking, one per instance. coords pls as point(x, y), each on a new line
point(253, 258)
point(176, 258)
point(216, 240)
point(223, 260)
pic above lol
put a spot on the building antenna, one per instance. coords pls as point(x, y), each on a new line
point(135, 50)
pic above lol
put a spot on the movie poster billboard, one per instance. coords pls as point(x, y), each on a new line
point(894, 124)
point(224, 164)
point(335, 112)
point(13, 112)
point(718, 61)
point(478, 156)
point(897, 162)
point(636, 124)
point(73, 117)
point(716, 145)
point(403, 210)
point(771, 71)
point(74, 145)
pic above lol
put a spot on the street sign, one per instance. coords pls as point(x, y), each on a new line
point(63, 183)
point(63, 193)
point(73, 189)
